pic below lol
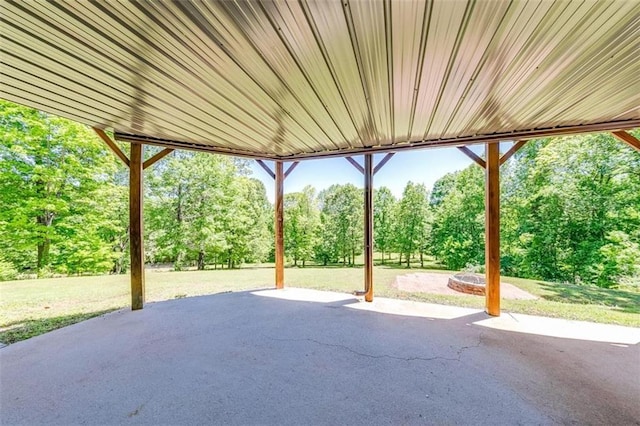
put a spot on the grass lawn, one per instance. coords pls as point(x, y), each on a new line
point(32, 307)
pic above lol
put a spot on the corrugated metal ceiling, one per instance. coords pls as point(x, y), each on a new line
point(291, 79)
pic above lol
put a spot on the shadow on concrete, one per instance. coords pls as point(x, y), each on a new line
point(619, 300)
point(24, 329)
point(249, 358)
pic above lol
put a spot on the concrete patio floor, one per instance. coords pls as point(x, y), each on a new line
point(303, 357)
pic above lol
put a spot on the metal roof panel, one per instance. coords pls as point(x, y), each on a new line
point(284, 79)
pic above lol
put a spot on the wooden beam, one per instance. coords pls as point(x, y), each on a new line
point(290, 169)
point(136, 227)
point(627, 138)
point(492, 229)
point(355, 164)
point(193, 146)
point(159, 156)
point(473, 156)
point(112, 145)
point(383, 162)
point(279, 225)
point(516, 146)
point(396, 147)
point(266, 168)
point(368, 227)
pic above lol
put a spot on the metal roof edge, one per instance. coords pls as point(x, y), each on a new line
point(430, 143)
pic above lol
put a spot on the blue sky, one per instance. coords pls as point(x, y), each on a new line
point(421, 166)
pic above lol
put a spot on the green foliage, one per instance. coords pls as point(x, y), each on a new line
point(575, 212)
point(413, 221)
point(8, 272)
point(301, 225)
point(202, 209)
point(342, 224)
point(55, 179)
point(385, 205)
point(457, 236)
point(570, 212)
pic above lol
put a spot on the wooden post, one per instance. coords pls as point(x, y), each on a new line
point(279, 224)
point(368, 227)
point(492, 228)
point(136, 226)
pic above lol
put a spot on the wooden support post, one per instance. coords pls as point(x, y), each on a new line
point(279, 224)
point(492, 228)
point(136, 226)
point(368, 227)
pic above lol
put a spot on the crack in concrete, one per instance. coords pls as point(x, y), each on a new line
point(459, 352)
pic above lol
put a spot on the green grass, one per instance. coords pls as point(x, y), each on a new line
point(32, 307)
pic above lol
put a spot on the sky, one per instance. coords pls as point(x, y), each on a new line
point(419, 166)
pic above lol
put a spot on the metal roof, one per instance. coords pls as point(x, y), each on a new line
point(311, 78)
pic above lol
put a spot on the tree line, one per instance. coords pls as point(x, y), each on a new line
point(570, 210)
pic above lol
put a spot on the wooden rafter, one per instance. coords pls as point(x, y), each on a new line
point(355, 164)
point(473, 156)
point(160, 155)
point(112, 145)
point(383, 162)
point(266, 168)
point(627, 138)
point(272, 173)
point(512, 151)
point(375, 170)
point(290, 169)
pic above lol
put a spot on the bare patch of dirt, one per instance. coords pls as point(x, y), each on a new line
point(437, 284)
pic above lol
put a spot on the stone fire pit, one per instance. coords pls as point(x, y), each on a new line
point(465, 282)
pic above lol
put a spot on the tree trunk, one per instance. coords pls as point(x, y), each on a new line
point(201, 260)
point(179, 207)
point(43, 253)
point(421, 260)
point(45, 220)
point(408, 260)
point(383, 257)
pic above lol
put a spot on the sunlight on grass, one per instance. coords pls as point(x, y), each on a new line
point(32, 307)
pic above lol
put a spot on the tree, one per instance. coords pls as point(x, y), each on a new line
point(302, 220)
point(412, 221)
point(576, 208)
point(56, 184)
point(342, 223)
point(457, 234)
point(383, 220)
point(202, 208)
